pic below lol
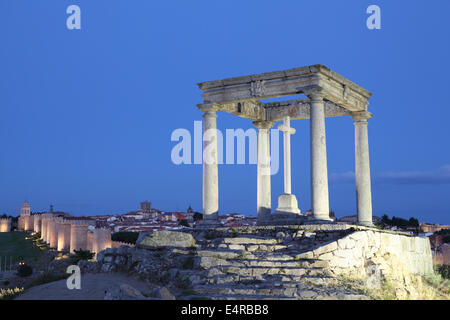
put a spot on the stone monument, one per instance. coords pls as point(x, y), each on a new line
point(328, 95)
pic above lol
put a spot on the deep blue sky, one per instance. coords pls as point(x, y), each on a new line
point(86, 115)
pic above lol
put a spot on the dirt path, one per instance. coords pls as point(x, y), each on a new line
point(93, 287)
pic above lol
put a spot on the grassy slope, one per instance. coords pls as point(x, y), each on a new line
point(14, 244)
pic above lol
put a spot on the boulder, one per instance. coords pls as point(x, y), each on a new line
point(166, 239)
point(165, 294)
point(123, 292)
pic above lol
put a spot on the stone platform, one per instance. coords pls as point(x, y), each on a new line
point(275, 262)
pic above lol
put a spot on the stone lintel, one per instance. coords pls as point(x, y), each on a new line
point(300, 109)
point(288, 82)
point(274, 111)
point(250, 109)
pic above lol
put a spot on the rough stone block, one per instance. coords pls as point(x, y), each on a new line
point(325, 248)
point(167, 239)
point(346, 243)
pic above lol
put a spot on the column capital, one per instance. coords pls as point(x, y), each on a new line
point(208, 108)
point(316, 95)
point(361, 116)
point(263, 124)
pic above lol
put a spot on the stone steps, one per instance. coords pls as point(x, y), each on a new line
point(260, 271)
point(273, 290)
point(235, 297)
point(250, 267)
point(307, 293)
point(290, 292)
point(211, 262)
point(249, 247)
point(253, 243)
point(262, 274)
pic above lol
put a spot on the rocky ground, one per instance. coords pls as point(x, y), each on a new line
point(271, 263)
point(93, 287)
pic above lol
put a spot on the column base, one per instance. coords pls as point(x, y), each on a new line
point(209, 221)
point(366, 223)
point(324, 218)
point(313, 220)
point(287, 206)
point(264, 214)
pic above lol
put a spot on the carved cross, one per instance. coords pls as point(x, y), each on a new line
point(287, 131)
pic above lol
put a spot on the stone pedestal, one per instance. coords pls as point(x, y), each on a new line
point(287, 204)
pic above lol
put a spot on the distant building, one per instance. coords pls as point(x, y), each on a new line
point(172, 216)
point(137, 215)
point(25, 219)
point(433, 227)
point(25, 209)
point(146, 206)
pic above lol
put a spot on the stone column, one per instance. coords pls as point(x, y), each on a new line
point(362, 168)
point(319, 174)
point(263, 176)
point(210, 168)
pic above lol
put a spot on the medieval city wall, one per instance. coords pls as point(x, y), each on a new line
point(28, 223)
point(5, 225)
point(64, 229)
point(21, 223)
point(101, 240)
point(90, 241)
point(43, 229)
point(37, 223)
point(78, 237)
point(52, 234)
point(64, 234)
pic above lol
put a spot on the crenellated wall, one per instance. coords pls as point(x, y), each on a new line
point(64, 233)
point(28, 223)
point(101, 240)
point(5, 225)
point(64, 229)
point(44, 223)
point(78, 237)
point(52, 233)
point(37, 223)
point(90, 240)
